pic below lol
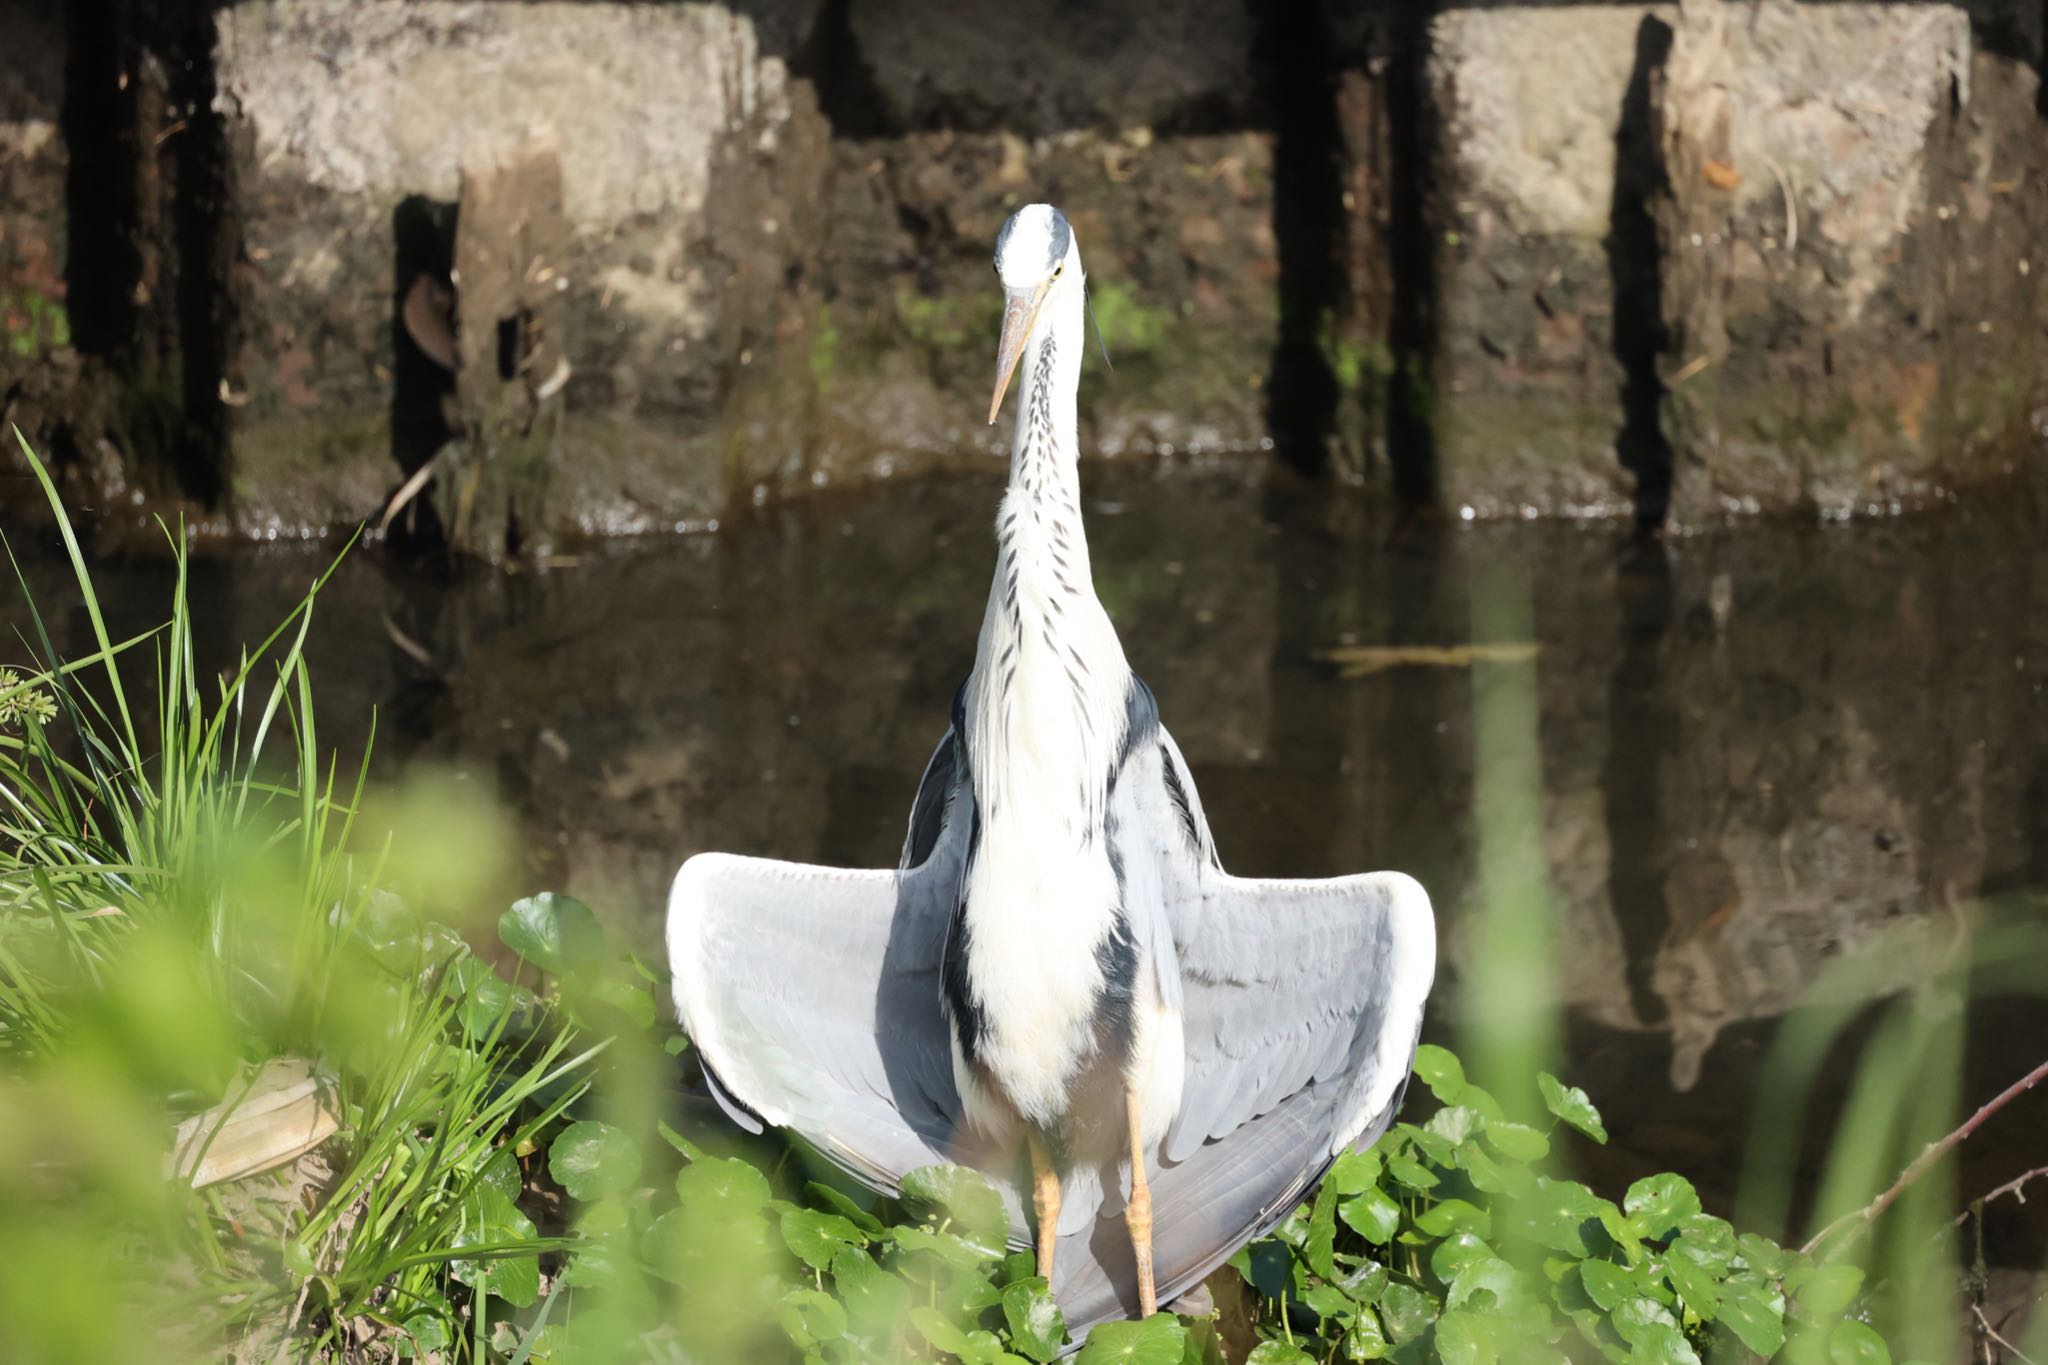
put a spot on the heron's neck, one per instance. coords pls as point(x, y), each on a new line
point(1044, 499)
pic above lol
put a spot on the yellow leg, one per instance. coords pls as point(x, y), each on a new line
point(1138, 1213)
point(1045, 1201)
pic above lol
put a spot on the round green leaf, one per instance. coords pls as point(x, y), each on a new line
point(493, 1221)
point(965, 1197)
point(954, 1250)
point(1411, 1173)
point(1552, 1213)
point(809, 1317)
point(1606, 1283)
point(591, 1160)
point(1467, 1339)
point(1328, 1301)
point(1757, 1317)
point(1441, 1071)
point(1406, 1311)
point(933, 1327)
point(1484, 1284)
point(1516, 1141)
point(1634, 1318)
point(1037, 1327)
point(815, 1238)
point(1353, 1172)
point(843, 1205)
point(1570, 1103)
point(1695, 1284)
point(1454, 1123)
point(871, 1294)
point(501, 1173)
point(1453, 1215)
point(725, 1187)
point(1762, 1255)
point(1278, 1353)
point(1489, 1176)
point(1365, 1339)
point(1372, 1215)
point(1157, 1340)
point(1455, 1252)
point(1661, 1343)
point(425, 1333)
point(556, 933)
point(1658, 1202)
point(1434, 1146)
point(1854, 1343)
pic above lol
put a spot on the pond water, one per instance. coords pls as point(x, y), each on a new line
point(1758, 750)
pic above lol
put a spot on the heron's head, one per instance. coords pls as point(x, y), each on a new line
point(1036, 258)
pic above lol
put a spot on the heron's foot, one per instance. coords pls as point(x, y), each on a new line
point(1045, 1202)
point(1138, 1210)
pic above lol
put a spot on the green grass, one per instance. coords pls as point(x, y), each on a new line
point(190, 886)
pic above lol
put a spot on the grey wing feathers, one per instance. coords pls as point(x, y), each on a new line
point(1285, 983)
point(811, 994)
point(1301, 1002)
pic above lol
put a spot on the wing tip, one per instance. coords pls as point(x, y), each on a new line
point(689, 898)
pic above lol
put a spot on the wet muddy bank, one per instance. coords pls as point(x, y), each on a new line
point(605, 268)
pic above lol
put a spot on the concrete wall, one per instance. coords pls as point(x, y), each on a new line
point(602, 268)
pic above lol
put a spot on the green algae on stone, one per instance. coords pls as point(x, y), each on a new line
point(35, 324)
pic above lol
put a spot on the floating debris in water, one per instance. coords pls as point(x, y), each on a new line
point(1359, 661)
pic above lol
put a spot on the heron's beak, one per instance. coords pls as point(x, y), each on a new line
point(1020, 315)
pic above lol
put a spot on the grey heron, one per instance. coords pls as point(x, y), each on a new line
point(1059, 971)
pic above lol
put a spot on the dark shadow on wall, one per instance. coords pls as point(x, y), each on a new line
point(423, 378)
point(829, 58)
point(205, 245)
point(103, 260)
point(1636, 272)
point(1411, 248)
point(1294, 61)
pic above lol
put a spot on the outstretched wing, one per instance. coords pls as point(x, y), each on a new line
point(812, 995)
point(1300, 1005)
point(1285, 984)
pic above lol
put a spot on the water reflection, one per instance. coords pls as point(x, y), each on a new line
point(1760, 749)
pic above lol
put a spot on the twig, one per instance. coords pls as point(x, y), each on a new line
point(1868, 1214)
point(409, 490)
point(2011, 1187)
point(1992, 1332)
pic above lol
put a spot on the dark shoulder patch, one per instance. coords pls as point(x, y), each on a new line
point(1176, 792)
point(1141, 718)
point(935, 790)
point(969, 1019)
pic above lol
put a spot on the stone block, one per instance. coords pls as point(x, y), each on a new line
point(687, 169)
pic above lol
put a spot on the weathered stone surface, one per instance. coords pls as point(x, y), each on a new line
point(1526, 388)
point(1011, 64)
point(1853, 197)
point(342, 114)
point(1842, 197)
point(35, 325)
point(1176, 237)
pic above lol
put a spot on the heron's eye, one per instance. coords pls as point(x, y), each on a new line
point(1059, 269)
